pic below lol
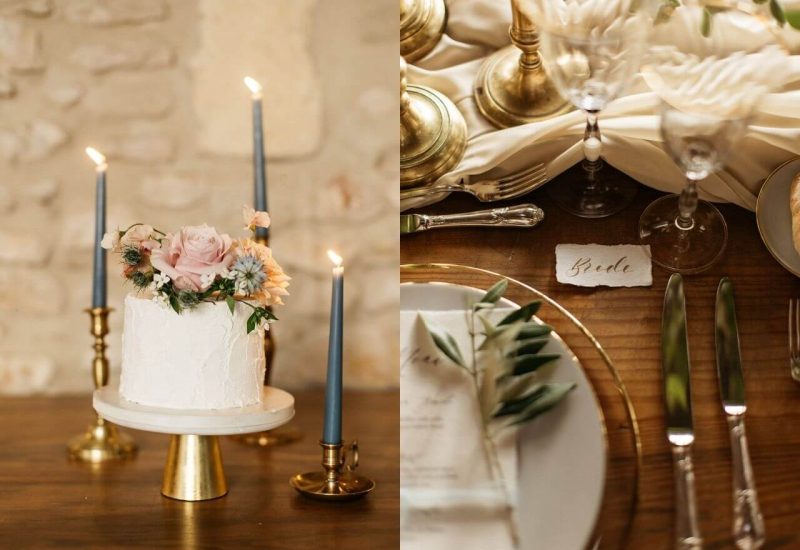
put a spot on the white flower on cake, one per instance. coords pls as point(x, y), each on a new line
point(198, 265)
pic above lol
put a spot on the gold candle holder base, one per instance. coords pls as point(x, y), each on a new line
point(433, 134)
point(194, 471)
point(512, 87)
point(101, 442)
point(338, 481)
point(422, 24)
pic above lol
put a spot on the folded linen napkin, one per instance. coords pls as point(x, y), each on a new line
point(630, 125)
point(449, 499)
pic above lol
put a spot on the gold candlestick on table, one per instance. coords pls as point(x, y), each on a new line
point(337, 480)
point(102, 441)
point(280, 436)
point(421, 27)
point(433, 134)
point(512, 87)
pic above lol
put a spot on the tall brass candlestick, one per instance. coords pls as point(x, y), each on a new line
point(278, 436)
point(102, 441)
point(512, 87)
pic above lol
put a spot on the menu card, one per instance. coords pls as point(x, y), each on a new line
point(448, 497)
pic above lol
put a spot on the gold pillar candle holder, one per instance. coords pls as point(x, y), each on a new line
point(433, 134)
point(102, 441)
point(337, 481)
point(277, 437)
point(194, 471)
point(422, 25)
point(512, 87)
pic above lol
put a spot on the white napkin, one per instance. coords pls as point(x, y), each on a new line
point(447, 497)
point(631, 140)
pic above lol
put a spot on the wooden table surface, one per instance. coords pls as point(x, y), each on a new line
point(627, 322)
point(46, 501)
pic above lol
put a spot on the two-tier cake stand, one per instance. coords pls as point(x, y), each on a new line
point(194, 462)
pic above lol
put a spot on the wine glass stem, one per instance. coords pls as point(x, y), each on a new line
point(687, 204)
point(592, 145)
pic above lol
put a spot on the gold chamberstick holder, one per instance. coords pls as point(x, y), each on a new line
point(269, 438)
point(193, 470)
point(338, 480)
point(102, 441)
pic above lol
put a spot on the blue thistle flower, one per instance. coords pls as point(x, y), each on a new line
point(248, 272)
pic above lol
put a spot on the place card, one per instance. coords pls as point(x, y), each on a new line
point(601, 265)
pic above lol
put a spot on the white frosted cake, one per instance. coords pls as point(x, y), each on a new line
point(200, 359)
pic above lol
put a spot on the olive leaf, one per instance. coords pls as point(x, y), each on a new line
point(444, 341)
point(525, 313)
point(231, 303)
point(793, 18)
point(541, 399)
point(495, 292)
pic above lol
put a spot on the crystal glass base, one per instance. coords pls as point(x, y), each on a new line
point(683, 250)
point(611, 193)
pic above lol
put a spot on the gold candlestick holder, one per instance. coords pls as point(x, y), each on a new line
point(512, 87)
point(102, 441)
point(433, 134)
point(422, 24)
point(280, 436)
point(338, 480)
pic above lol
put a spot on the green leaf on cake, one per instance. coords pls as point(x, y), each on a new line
point(251, 322)
point(444, 341)
point(231, 303)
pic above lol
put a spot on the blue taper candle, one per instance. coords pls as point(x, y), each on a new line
point(332, 431)
point(259, 159)
point(99, 273)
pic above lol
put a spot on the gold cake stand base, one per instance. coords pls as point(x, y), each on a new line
point(194, 471)
point(270, 438)
point(101, 442)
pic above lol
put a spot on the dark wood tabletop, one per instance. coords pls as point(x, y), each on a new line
point(627, 322)
point(46, 501)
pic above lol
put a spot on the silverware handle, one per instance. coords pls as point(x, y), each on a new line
point(522, 215)
point(687, 532)
point(748, 523)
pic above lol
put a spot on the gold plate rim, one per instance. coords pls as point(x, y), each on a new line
point(759, 207)
point(617, 379)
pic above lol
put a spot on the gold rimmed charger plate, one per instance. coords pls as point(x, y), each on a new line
point(614, 520)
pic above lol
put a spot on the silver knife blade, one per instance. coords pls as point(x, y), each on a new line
point(729, 355)
point(409, 223)
point(675, 365)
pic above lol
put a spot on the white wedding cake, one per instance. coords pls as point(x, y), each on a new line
point(202, 358)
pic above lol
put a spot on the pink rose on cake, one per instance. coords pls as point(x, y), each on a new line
point(196, 251)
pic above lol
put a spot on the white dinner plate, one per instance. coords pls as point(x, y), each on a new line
point(562, 455)
point(774, 217)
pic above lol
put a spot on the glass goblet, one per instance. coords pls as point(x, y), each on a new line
point(592, 50)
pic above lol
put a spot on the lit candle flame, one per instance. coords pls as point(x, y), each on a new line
point(98, 157)
point(254, 86)
point(335, 258)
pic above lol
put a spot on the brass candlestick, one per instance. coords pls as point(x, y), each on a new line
point(337, 480)
point(433, 134)
point(422, 24)
point(102, 441)
point(279, 436)
point(512, 87)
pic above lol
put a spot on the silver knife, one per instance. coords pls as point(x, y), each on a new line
point(748, 523)
point(522, 215)
point(678, 407)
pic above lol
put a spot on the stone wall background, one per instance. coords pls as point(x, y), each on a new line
point(156, 86)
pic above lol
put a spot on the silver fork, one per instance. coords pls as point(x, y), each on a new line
point(794, 338)
point(507, 187)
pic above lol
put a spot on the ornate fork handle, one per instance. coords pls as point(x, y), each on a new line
point(523, 215)
point(748, 523)
point(687, 532)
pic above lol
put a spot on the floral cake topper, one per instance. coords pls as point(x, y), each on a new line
point(197, 264)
